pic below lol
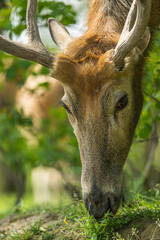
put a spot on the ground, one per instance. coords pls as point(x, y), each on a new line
point(145, 230)
point(49, 225)
point(137, 219)
point(32, 225)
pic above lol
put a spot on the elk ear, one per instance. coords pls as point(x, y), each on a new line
point(143, 43)
point(59, 33)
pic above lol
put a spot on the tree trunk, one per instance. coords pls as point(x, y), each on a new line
point(150, 154)
point(20, 186)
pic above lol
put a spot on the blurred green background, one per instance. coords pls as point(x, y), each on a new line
point(41, 165)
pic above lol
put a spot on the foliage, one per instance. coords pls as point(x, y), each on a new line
point(46, 9)
point(53, 142)
point(13, 145)
point(56, 140)
point(151, 86)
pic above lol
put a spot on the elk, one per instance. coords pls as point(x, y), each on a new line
point(101, 73)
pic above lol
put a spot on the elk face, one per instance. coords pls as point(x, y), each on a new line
point(101, 107)
point(103, 99)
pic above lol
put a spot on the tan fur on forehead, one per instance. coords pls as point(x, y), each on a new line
point(86, 74)
point(84, 60)
point(93, 43)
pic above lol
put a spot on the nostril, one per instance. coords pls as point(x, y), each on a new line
point(112, 201)
point(109, 203)
point(89, 206)
point(97, 203)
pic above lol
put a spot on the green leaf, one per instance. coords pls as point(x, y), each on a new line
point(145, 131)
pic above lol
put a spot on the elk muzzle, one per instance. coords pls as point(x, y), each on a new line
point(102, 175)
point(102, 194)
point(100, 204)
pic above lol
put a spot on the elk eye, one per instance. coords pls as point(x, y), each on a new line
point(66, 107)
point(122, 102)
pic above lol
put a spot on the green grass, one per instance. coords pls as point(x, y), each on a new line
point(6, 204)
point(77, 219)
point(74, 222)
point(142, 207)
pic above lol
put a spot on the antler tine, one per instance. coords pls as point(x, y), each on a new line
point(134, 28)
point(31, 20)
point(33, 51)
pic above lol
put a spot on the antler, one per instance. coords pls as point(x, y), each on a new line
point(134, 28)
point(35, 50)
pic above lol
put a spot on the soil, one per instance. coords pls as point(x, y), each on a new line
point(145, 229)
point(12, 225)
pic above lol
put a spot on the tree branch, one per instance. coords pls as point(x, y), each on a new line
point(147, 139)
point(152, 97)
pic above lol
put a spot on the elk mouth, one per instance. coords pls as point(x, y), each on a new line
point(98, 207)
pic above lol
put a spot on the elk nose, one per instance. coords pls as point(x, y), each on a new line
point(97, 206)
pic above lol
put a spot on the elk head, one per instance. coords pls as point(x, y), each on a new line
point(103, 99)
